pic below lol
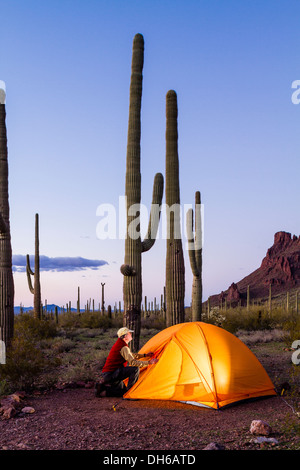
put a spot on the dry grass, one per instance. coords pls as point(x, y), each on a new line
point(260, 336)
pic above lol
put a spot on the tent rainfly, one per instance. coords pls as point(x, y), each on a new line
point(200, 364)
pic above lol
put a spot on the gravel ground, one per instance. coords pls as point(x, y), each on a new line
point(74, 419)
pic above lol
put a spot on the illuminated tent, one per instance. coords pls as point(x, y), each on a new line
point(200, 364)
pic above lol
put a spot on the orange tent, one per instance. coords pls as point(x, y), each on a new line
point(200, 364)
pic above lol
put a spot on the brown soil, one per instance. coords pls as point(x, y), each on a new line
point(73, 419)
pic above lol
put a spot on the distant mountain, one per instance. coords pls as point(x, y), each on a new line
point(50, 308)
point(280, 269)
point(25, 309)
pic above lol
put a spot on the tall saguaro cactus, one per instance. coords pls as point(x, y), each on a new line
point(175, 270)
point(195, 255)
point(134, 246)
point(36, 290)
point(6, 276)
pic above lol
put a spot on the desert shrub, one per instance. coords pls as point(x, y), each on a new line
point(4, 387)
point(24, 362)
point(252, 320)
point(60, 345)
point(91, 320)
point(103, 344)
point(153, 322)
point(84, 370)
point(215, 317)
point(69, 320)
point(291, 329)
point(33, 328)
point(79, 372)
point(93, 333)
point(112, 332)
point(260, 336)
point(24, 357)
point(71, 333)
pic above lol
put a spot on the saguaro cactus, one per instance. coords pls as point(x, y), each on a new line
point(103, 302)
point(134, 246)
point(6, 276)
point(36, 290)
point(195, 255)
point(78, 299)
point(175, 270)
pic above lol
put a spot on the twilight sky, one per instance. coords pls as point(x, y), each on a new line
point(66, 66)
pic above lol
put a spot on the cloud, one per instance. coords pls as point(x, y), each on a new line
point(63, 263)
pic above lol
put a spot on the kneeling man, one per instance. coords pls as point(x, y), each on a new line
point(114, 371)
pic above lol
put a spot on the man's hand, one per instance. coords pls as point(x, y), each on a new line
point(153, 361)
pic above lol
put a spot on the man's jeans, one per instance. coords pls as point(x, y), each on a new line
point(115, 386)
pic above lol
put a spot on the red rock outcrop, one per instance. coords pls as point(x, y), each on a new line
point(280, 268)
point(232, 295)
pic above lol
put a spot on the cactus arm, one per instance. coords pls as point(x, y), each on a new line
point(29, 273)
point(36, 290)
point(127, 270)
point(28, 266)
point(195, 242)
point(198, 230)
point(158, 188)
point(195, 256)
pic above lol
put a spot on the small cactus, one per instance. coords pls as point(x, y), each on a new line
point(248, 298)
point(109, 311)
point(36, 290)
point(270, 299)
